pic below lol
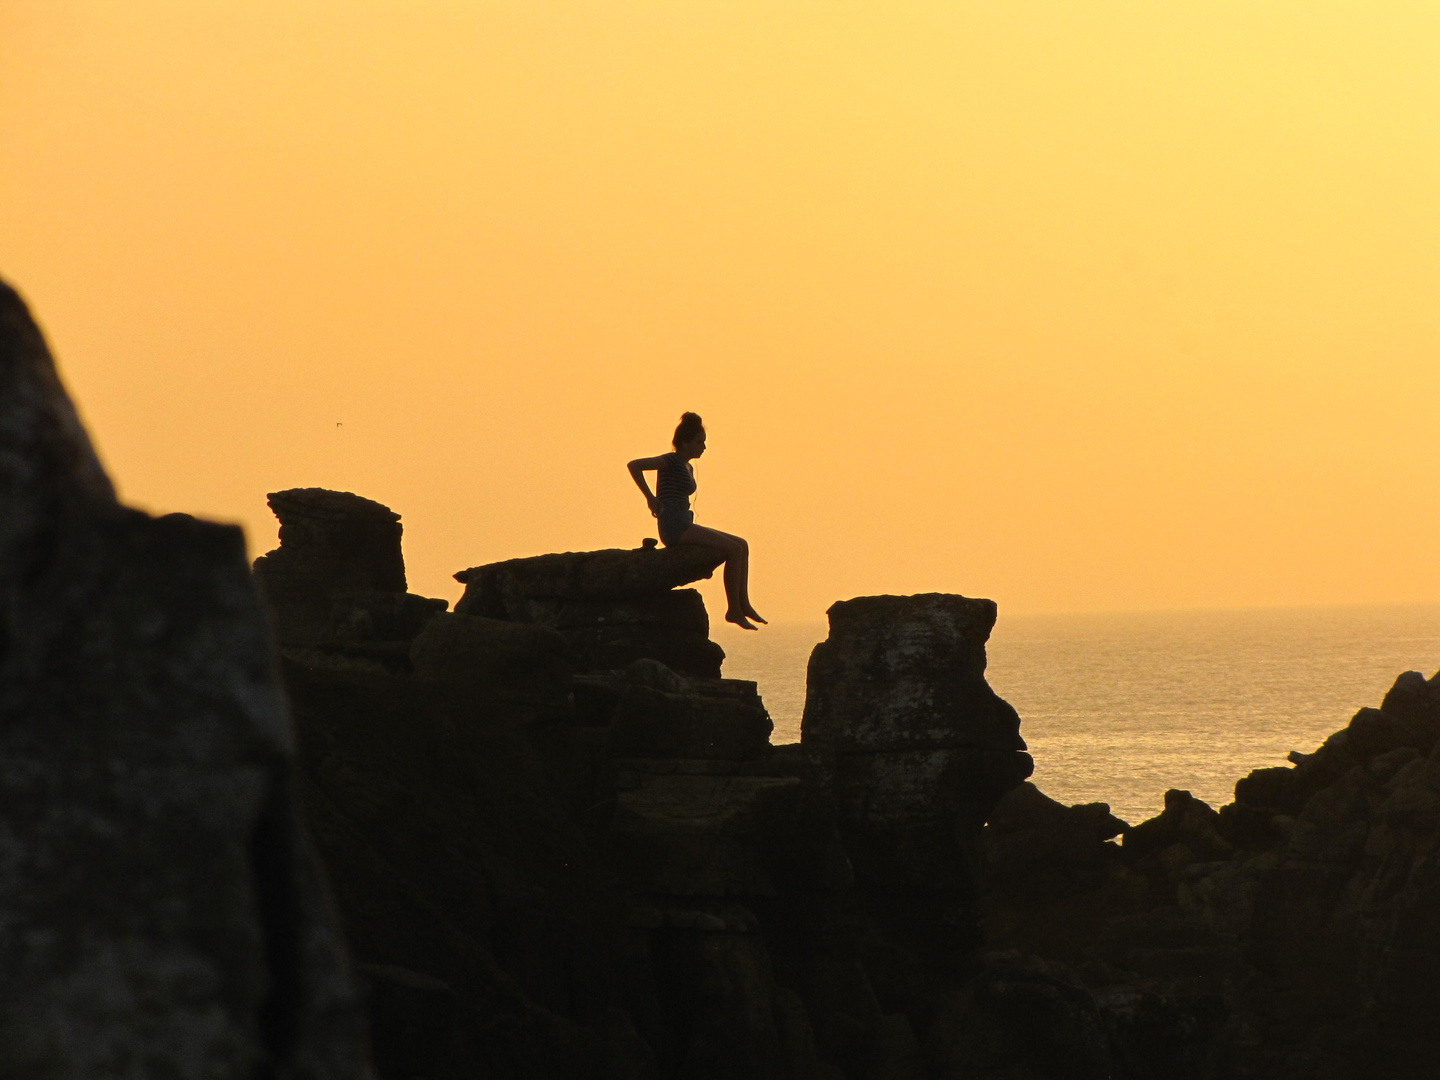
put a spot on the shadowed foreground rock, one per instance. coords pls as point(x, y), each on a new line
point(159, 914)
point(1293, 935)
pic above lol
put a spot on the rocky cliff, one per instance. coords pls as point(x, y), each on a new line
point(1293, 933)
point(560, 837)
point(888, 898)
point(554, 842)
point(160, 913)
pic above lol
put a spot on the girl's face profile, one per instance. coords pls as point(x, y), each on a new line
point(694, 447)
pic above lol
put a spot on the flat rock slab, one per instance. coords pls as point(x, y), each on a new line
point(611, 574)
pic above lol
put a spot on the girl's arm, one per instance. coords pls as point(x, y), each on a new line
point(638, 468)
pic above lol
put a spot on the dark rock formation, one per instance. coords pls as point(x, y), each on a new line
point(1051, 878)
point(1330, 910)
point(915, 750)
point(561, 830)
point(922, 748)
point(612, 606)
point(338, 576)
point(1291, 935)
point(1018, 1019)
point(562, 846)
point(159, 913)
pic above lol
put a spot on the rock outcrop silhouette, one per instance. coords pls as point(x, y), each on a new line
point(1293, 933)
point(560, 844)
point(160, 914)
point(612, 606)
point(580, 859)
point(337, 580)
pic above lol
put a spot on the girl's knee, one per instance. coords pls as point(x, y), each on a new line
point(734, 545)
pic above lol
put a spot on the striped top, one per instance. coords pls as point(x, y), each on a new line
point(674, 480)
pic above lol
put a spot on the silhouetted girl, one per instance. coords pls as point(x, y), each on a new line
point(674, 484)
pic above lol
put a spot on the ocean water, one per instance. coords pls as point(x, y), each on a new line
point(1117, 708)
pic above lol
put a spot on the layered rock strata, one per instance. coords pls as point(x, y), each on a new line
point(161, 914)
point(338, 577)
point(613, 606)
point(546, 794)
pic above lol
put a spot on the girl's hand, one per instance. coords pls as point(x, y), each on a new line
point(654, 505)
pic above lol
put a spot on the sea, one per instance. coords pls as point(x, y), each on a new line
point(1118, 708)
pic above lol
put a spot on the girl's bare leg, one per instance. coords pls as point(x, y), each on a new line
point(737, 572)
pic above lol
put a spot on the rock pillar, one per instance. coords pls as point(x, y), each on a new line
point(921, 748)
point(338, 576)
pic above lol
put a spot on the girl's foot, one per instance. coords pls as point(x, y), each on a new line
point(740, 620)
point(750, 611)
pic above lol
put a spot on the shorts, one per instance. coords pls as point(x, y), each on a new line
point(673, 523)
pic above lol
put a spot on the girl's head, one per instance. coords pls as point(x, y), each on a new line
point(690, 434)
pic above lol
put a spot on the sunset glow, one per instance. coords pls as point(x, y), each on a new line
point(1077, 306)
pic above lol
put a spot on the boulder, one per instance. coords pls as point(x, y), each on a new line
point(1416, 702)
point(913, 750)
point(162, 913)
point(1269, 789)
point(612, 606)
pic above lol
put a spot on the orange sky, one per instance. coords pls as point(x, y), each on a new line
point(1077, 305)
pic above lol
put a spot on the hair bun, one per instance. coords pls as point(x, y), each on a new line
point(690, 425)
